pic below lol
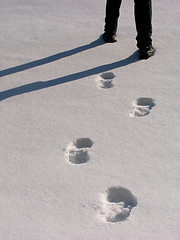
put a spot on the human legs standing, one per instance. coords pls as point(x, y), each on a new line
point(143, 20)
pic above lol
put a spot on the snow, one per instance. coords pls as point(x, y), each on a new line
point(89, 135)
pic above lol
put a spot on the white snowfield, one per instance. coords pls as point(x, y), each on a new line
point(89, 135)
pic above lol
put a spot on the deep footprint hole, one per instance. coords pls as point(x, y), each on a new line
point(143, 101)
point(107, 75)
point(83, 143)
point(120, 194)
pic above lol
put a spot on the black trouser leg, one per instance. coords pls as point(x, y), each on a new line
point(143, 19)
point(112, 14)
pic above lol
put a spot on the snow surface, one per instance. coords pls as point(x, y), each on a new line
point(84, 156)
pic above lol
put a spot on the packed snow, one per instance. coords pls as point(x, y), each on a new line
point(89, 134)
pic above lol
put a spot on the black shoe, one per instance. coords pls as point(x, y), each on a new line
point(147, 52)
point(109, 37)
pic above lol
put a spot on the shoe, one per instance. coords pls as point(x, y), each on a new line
point(109, 37)
point(147, 52)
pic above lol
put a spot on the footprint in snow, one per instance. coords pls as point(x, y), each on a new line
point(105, 80)
point(142, 107)
point(77, 152)
point(117, 204)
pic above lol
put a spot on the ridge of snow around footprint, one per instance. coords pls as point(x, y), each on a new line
point(142, 107)
point(117, 204)
point(105, 80)
point(77, 152)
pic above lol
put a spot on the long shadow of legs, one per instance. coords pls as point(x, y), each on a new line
point(72, 77)
point(52, 58)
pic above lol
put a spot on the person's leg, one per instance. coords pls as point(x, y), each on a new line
point(112, 14)
point(111, 20)
point(143, 19)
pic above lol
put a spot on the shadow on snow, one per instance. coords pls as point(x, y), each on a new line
point(72, 77)
point(52, 58)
